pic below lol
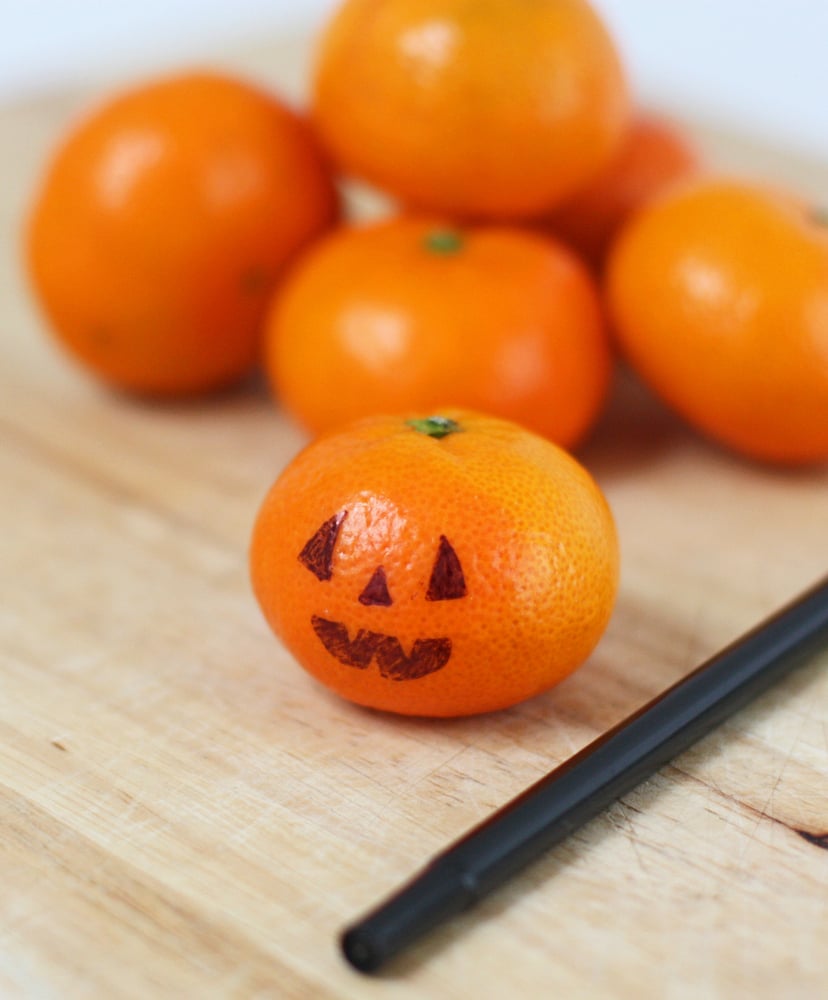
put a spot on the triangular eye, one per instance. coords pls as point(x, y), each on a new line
point(317, 555)
point(376, 590)
point(447, 582)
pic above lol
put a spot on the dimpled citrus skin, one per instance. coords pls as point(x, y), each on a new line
point(412, 314)
point(532, 532)
point(718, 291)
point(163, 223)
point(482, 108)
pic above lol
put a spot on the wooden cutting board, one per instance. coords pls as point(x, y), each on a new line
point(186, 814)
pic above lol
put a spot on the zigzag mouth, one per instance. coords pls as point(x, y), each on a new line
point(426, 656)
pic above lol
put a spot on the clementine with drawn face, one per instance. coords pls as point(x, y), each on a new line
point(427, 655)
point(436, 566)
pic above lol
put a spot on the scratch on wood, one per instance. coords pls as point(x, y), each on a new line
point(627, 826)
point(817, 839)
point(59, 746)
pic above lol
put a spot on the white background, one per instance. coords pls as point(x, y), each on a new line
point(760, 66)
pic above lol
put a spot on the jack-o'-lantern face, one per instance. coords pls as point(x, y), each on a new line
point(427, 655)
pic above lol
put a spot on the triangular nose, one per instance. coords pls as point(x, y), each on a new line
point(376, 590)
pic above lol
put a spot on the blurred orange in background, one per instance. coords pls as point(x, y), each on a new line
point(719, 295)
point(493, 110)
point(162, 227)
point(412, 313)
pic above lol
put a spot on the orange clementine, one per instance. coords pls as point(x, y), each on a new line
point(477, 108)
point(719, 295)
point(438, 566)
point(654, 154)
point(163, 223)
point(409, 313)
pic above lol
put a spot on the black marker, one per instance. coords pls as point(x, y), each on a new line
point(589, 781)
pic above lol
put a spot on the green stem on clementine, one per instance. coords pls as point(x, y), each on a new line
point(444, 241)
point(435, 426)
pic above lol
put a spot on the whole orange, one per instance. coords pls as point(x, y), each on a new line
point(439, 566)
point(719, 295)
point(163, 224)
point(654, 154)
point(408, 313)
point(480, 108)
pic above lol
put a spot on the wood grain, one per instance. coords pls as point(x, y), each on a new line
point(185, 813)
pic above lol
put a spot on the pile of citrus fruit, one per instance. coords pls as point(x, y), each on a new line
point(437, 550)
